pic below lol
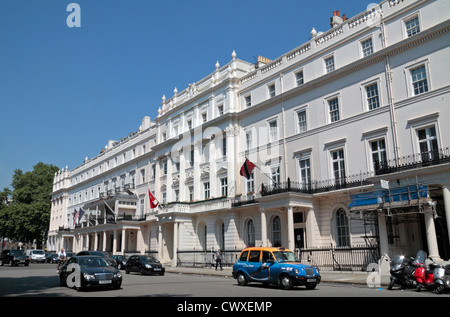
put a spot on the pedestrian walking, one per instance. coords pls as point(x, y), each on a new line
point(219, 259)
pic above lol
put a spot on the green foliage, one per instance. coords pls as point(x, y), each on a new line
point(25, 211)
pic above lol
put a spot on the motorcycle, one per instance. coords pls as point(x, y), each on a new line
point(441, 275)
point(423, 273)
point(402, 272)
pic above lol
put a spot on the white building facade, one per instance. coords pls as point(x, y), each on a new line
point(347, 132)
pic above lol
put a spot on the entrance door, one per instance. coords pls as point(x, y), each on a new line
point(299, 236)
point(299, 230)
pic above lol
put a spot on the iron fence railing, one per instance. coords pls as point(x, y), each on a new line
point(332, 258)
point(327, 258)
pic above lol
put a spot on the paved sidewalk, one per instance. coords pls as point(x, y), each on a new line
point(363, 278)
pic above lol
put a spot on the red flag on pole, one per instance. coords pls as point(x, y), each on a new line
point(153, 201)
point(247, 168)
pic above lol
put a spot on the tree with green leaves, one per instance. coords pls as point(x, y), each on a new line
point(25, 211)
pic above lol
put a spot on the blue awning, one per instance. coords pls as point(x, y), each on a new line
point(381, 196)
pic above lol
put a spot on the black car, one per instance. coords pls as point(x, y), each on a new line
point(121, 260)
point(14, 257)
point(51, 258)
point(103, 254)
point(144, 264)
point(88, 271)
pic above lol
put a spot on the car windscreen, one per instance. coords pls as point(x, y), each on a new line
point(149, 259)
point(285, 256)
point(38, 252)
point(16, 252)
point(92, 262)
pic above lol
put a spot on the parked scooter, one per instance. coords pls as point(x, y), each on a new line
point(423, 273)
point(441, 275)
point(402, 272)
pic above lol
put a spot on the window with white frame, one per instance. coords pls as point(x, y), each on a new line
point(367, 47)
point(333, 108)
point(248, 101)
point(164, 197)
point(299, 78)
point(412, 26)
point(248, 140)
point(164, 166)
point(342, 229)
point(304, 165)
point(250, 185)
point(275, 175)
point(224, 144)
point(378, 151)
point(177, 194)
point(301, 121)
point(191, 193)
point(373, 100)
point(192, 153)
point(206, 190)
point(204, 117)
point(276, 231)
point(273, 130)
point(271, 90)
point(329, 64)
point(251, 235)
point(338, 164)
point(224, 187)
point(142, 176)
point(428, 143)
point(220, 110)
point(419, 79)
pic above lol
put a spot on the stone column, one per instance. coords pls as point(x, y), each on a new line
point(290, 225)
point(175, 244)
point(446, 193)
point(123, 241)
point(433, 251)
point(382, 229)
point(263, 228)
point(114, 247)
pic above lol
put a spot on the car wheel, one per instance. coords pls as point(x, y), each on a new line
point(11, 263)
point(242, 281)
point(127, 271)
point(286, 282)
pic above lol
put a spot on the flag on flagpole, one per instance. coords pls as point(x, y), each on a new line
point(75, 216)
point(247, 168)
point(153, 201)
point(110, 218)
point(80, 214)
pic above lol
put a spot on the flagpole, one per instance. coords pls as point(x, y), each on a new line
point(159, 203)
point(275, 182)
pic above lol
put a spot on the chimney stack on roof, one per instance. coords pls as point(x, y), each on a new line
point(336, 19)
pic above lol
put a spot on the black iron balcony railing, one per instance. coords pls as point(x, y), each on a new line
point(313, 187)
point(413, 161)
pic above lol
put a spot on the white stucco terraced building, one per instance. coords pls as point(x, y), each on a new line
point(348, 133)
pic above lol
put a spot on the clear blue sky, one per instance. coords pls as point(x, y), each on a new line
point(64, 92)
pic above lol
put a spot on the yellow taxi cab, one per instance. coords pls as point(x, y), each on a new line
point(271, 265)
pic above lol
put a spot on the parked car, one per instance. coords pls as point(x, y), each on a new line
point(14, 257)
point(89, 271)
point(36, 255)
point(144, 264)
point(103, 254)
point(51, 258)
point(274, 266)
point(121, 260)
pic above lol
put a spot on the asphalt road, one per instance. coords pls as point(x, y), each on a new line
point(41, 280)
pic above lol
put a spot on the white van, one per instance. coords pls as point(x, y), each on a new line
point(36, 255)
